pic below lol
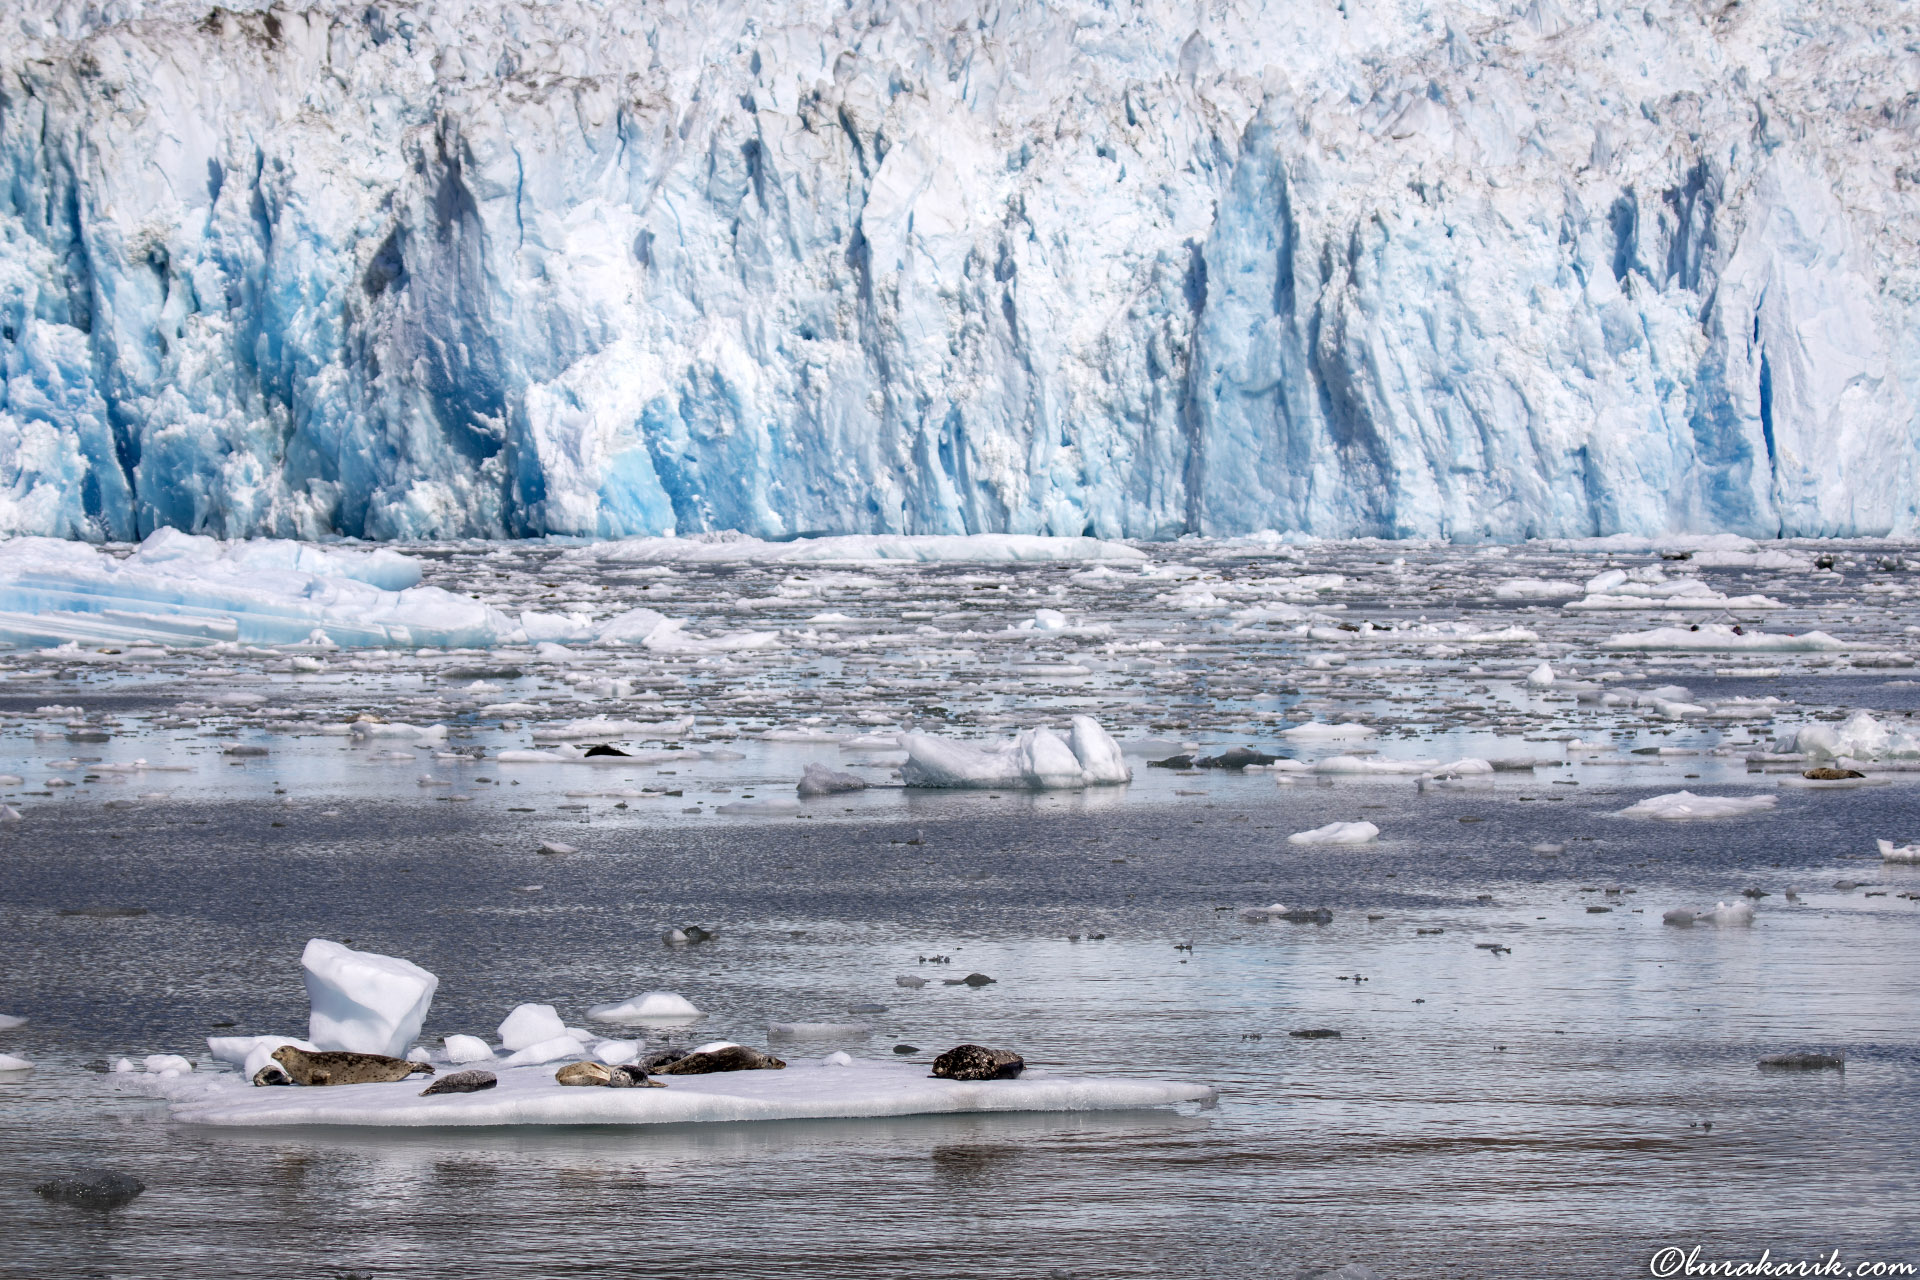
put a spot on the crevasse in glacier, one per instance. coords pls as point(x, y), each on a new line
point(457, 268)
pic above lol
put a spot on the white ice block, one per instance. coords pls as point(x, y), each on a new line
point(364, 1002)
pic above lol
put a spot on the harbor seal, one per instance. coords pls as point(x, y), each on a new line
point(632, 1076)
point(461, 1082)
point(583, 1073)
point(976, 1062)
point(297, 1066)
point(734, 1057)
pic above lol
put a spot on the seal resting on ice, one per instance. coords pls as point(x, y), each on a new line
point(297, 1066)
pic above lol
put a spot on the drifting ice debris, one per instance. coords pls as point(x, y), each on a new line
point(1679, 916)
point(1540, 677)
point(647, 1005)
point(1889, 852)
point(1684, 806)
point(822, 781)
point(562, 1046)
point(555, 847)
point(9, 1062)
point(92, 1188)
point(1315, 731)
point(364, 1002)
point(1337, 833)
point(1727, 913)
point(1037, 759)
point(1804, 1062)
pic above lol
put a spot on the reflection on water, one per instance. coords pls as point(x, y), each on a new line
point(1559, 1109)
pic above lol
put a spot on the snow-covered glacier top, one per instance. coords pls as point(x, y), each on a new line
point(1348, 267)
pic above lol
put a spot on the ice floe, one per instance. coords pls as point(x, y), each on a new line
point(1890, 852)
point(1684, 806)
point(1721, 637)
point(648, 1006)
point(1337, 833)
point(806, 1089)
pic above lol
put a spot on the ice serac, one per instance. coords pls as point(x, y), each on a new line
point(364, 1002)
point(451, 267)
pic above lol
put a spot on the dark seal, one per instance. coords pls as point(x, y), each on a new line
point(734, 1057)
point(976, 1062)
point(461, 1082)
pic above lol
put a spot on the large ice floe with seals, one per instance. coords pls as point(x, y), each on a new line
point(497, 267)
point(360, 1000)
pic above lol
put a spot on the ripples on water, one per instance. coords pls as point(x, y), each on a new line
point(1541, 1112)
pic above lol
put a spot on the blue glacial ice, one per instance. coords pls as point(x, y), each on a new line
point(452, 268)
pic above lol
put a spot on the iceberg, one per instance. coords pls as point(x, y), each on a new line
point(807, 1089)
point(1081, 270)
point(1037, 759)
point(179, 589)
point(363, 1002)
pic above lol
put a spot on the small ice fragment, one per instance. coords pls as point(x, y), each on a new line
point(838, 1058)
point(648, 1004)
point(1730, 913)
point(530, 1024)
point(555, 847)
point(1540, 677)
point(124, 1066)
point(461, 1049)
point(615, 1052)
point(1679, 916)
point(1315, 731)
point(1889, 852)
point(8, 1062)
point(364, 1002)
point(9, 814)
point(1337, 833)
point(822, 781)
point(155, 1063)
point(8, 1021)
point(909, 981)
point(419, 1053)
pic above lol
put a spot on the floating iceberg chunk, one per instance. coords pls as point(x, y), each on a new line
point(1890, 852)
point(665, 1006)
point(13, 1062)
point(237, 1049)
point(462, 1049)
point(532, 1097)
point(8, 1021)
point(1540, 677)
point(178, 589)
point(1536, 589)
point(981, 548)
point(158, 1063)
point(364, 1002)
point(1684, 806)
point(816, 1030)
point(1036, 759)
point(1718, 637)
point(1727, 913)
point(819, 780)
point(1369, 764)
point(530, 1024)
point(1315, 731)
point(1337, 833)
point(1861, 737)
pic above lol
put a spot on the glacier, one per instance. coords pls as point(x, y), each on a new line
point(1487, 269)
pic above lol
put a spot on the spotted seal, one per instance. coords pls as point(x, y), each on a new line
point(297, 1066)
point(977, 1062)
point(733, 1057)
point(627, 1076)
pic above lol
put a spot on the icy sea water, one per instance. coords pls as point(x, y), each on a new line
point(1542, 1111)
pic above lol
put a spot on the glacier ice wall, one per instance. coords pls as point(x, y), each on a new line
point(1472, 269)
